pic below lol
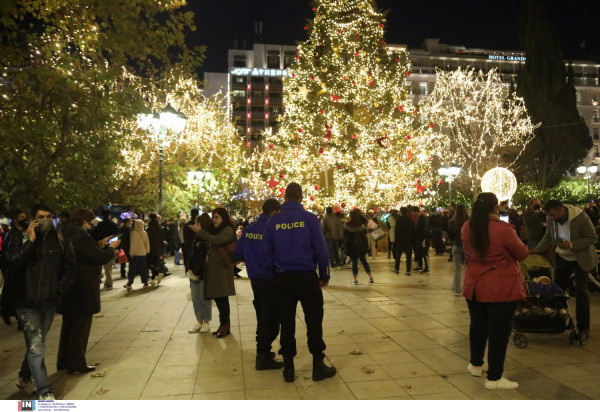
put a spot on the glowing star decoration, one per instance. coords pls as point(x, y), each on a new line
point(478, 123)
point(501, 182)
point(272, 183)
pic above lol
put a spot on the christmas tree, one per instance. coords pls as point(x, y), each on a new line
point(350, 134)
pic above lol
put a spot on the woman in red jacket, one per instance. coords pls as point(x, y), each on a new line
point(493, 286)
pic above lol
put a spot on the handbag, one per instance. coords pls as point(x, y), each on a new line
point(377, 234)
point(121, 256)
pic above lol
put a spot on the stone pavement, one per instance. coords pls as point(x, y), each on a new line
point(400, 338)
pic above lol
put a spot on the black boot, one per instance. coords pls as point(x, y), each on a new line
point(264, 361)
point(320, 370)
point(288, 369)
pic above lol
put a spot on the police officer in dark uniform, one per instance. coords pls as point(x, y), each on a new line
point(294, 245)
point(249, 249)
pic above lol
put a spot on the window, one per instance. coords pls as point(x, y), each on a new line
point(288, 59)
point(273, 61)
point(596, 137)
point(257, 94)
point(423, 88)
point(258, 80)
point(596, 151)
point(239, 60)
point(595, 118)
point(239, 93)
point(238, 80)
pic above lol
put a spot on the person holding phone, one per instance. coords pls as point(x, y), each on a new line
point(82, 300)
point(106, 228)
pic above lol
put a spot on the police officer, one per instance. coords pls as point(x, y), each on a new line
point(250, 251)
point(294, 245)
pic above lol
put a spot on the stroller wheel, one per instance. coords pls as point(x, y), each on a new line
point(520, 340)
point(573, 337)
point(582, 339)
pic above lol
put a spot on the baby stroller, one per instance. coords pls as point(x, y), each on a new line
point(546, 307)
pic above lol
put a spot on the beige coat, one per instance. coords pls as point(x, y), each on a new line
point(138, 244)
point(218, 281)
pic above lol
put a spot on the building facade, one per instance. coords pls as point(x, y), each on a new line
point(253, 82)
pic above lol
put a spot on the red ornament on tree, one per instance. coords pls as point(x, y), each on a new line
point(383, 42)
point(322, 111)
point(301, 130)
point(281, 191)
point(306, 27)
point(354, 136)
point(272, 146)
point(339, 167)
point(381, 25)
point(248, 144)
point(293, 74)
point(401, 108)
point(335, 97)
point(343, 204)
point(407, 137)
point(317, 187)
point(272, 183)
point(339, 30)
point(312, 78)
point(415, 112)
point(431, 125)
point(356, 36)
point(345, 77)
point(440, 182)
point(409, 155)
point(328, 135)
point(354, 82)
point(407, 73)
point(312, 198)
point(281, 175)
point(321, 150)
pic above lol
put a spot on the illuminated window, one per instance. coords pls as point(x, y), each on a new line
point(423, 88)
point(239, 93)
point(238, 79)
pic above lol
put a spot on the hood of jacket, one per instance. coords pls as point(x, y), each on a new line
point(574, 211)
point(138, 225)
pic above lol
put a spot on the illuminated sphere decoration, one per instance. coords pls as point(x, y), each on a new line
point(499, 181)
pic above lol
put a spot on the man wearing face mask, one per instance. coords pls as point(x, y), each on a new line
point(43, 269)
point(572, 234)
point(18, 236)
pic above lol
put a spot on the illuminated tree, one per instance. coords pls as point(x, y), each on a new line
point(67, 90)
point(349, 135)
point(210, 142)
point(479, 124)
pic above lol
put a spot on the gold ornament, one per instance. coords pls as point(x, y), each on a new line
point(362, 116)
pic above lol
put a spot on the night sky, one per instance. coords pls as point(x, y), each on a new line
point(472, 23)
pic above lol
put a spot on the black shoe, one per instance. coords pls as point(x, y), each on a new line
point(264, 361)
point(419, 268)
point(426, 270)
point(6, 319)
point(288, 369)
point(82, 369)
point(395, 271)
point(320, 370)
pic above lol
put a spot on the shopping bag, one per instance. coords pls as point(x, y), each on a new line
point(121, 256)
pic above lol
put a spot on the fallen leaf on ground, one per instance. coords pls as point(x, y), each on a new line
point(406, 386)
point(444, 376)
point(98, 374)
point(412, 372)
point(102, 391)
point(340, 332)
point(367, 370)
point(151, 330)
point(356, 352)
point(385, 337)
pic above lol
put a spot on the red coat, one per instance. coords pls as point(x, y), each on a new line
point(497, 277)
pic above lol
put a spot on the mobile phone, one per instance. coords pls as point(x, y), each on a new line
point(112, 239)
point(504, 218)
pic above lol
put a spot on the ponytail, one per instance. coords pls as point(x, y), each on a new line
point(480, 239)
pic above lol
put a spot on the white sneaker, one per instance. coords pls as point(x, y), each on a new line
point(159, 278)
point(474, 370)
point(152, 282)
point(355, 282)
point(205, 328)
point(502, 384)
point(48, 396)
point(26, 385)
point(197, 328)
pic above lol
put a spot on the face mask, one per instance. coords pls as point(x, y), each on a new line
point(46, 225)
point(23, 223)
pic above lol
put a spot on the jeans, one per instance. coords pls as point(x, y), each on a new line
point(334, 252)
point(491, 322)
point(564, 270)
point(202, 307)
point(400, 249)
point(36, 323)
point(458, 254)
point(177, 257)
point(363, 260)
point(224, 309)
point(267, 313)
point(305, 288)
point(138, 265)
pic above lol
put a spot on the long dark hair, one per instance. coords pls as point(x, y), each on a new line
point(485, 204)
point(356, 218)
point(459, 218)
point(226, 219)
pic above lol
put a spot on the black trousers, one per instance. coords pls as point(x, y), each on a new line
point(74, 335)
point(267, 313)
point(303, 287)
point(491, 322)
point(422, 252)
point(564, 270)
point(334, 252)
point(399, 250)
point(224, 309)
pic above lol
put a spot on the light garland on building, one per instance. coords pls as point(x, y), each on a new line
point(479, 125)
point(350, 135)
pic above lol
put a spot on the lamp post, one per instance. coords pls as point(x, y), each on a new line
point(159, 125)
point(198, 177)
point(450, 174)
point(587, 172)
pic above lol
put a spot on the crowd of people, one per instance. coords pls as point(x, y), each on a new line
point(59, 266)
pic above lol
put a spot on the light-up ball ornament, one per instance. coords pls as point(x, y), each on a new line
point(362, 116)
point(501, 182)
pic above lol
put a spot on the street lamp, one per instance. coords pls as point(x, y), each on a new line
point(159, 125)
point(198, 177)
point(588, 171)
point(450, 174)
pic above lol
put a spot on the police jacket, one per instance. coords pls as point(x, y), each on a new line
point(249, 249)
point(293, 242)
point(42, 270)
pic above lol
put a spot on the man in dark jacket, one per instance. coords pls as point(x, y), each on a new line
point(43, 269)
point(157, 243)
point(404, 234)
point(18, 235)
point(435, 230)
point(333, 229)
point(104, 229)
point(422, 240)
point(125, 233)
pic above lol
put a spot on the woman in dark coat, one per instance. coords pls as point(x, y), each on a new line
point(218, 281)
point(82, 301)
point(356, 244)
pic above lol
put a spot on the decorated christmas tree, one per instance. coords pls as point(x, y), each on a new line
point(350, 134)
